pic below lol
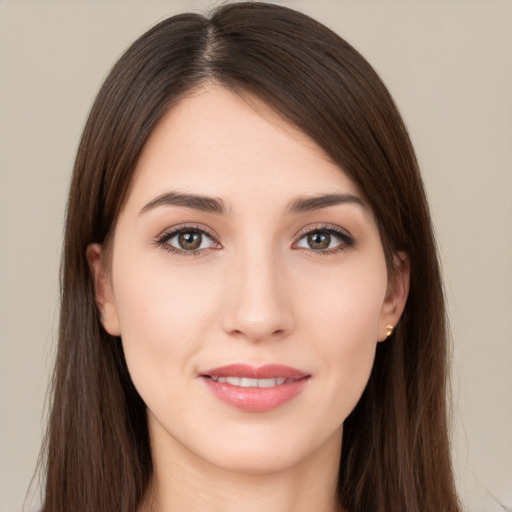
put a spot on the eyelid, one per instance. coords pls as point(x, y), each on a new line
point(346, 239)
point(168, 233)
point(187, 227)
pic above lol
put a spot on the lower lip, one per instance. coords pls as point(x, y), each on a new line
point(256, 399)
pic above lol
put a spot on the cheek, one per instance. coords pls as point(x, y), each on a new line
point(158, 299)
point(343, 317)
point(163, 322)
point(346, 305)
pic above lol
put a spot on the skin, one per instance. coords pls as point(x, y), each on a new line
point(255, 292)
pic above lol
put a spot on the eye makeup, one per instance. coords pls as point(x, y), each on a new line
point(187, 240)
point(324, 239)
point(193, 240)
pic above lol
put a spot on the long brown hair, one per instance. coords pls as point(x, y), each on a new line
point(395, 443)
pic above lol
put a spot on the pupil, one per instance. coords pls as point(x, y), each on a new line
point(190, 240)
point(319, 240)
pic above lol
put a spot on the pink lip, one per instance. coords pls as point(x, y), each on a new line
point(252, 398)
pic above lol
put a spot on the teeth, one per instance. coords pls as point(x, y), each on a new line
point(248, 383)
point(245, 382)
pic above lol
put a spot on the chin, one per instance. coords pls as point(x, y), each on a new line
point(267, 452)
point(258, 461)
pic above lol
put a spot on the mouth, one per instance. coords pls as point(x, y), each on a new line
point(255, 389)
point(246, 382)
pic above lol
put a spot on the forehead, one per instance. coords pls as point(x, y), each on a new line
point(218, 143)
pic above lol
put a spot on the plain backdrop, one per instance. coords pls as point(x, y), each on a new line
point(449, 66)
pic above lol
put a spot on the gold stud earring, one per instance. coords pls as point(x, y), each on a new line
point(389, 330)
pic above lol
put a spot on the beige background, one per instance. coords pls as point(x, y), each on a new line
point(449, 66)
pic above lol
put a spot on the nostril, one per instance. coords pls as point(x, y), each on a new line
point(250, 315)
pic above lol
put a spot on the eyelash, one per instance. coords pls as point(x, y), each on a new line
point(346, 240)
point(162, 240)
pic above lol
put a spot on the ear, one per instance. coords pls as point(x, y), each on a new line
point(103, 289)
point(396, 296)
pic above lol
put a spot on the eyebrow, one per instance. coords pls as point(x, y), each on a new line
point(307, 204)
point(194, 201)
point(217, 205)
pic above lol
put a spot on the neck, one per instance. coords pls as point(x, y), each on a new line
point(192, 484)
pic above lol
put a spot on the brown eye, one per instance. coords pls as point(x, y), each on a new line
point(190, 240)
point(325, 240)
point(187, 240)
point(319, 240)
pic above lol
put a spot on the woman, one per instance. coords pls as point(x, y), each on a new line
point(246, 222)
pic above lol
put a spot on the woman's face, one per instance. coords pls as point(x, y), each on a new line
point(248, 283)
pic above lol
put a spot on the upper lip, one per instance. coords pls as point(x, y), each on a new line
point(268, 371)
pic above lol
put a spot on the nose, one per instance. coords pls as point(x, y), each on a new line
point(259, 300)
